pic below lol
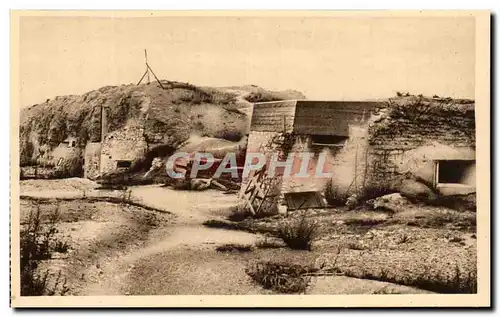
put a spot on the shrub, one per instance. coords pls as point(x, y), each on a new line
point(37, 242)
point(61, 246)
point(280, 277)
point(298, 234)
point(334, 196)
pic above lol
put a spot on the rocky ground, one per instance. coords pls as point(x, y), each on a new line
point(159, 244)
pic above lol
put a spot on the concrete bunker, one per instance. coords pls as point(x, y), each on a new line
point(370, 147)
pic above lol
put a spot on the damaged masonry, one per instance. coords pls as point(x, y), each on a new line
point(334, 152)
point(424, 147)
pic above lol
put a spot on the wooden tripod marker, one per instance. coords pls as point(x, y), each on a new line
point(149, 69)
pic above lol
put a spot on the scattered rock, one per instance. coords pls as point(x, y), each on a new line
point(282, 210)
point(392, 202)
point(352, 202)
point(455, 239)
point(416, 191)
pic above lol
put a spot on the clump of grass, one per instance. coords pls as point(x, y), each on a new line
point(149, 220)
point(298, 234)
point(334, 196)
point(234, 248)
point(386, 290)
point(61, 246)
point(37, 242)
point(280, 277)
point(404, 238)
point(227, 225)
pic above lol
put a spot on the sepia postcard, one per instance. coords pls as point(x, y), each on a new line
point(250, 159)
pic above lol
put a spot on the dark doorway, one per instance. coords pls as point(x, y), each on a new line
point(123, 164)
point(454, 171)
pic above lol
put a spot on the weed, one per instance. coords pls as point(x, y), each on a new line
point(37, 242)
point(61, 246)
point(403, 239)
point(298, 234)
point(386, 290)
point(149, 220)
point(280, 277)
point(334, 196)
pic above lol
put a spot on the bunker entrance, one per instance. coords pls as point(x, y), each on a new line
point(456, 172)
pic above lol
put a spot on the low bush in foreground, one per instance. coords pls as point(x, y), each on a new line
point(280, 277)
point(334, 196)
point(298, 234)
point(37, 242)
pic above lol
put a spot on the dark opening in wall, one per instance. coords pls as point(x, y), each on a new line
point(329, 140)
point(455, 171)
point(123, 164)
point(304, 200)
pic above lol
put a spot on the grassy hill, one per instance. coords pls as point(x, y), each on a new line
point(170, 115)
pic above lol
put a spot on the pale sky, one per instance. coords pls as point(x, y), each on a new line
point(328, 58)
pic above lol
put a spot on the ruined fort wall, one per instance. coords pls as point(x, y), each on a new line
point(127, 144)
point(411, 137)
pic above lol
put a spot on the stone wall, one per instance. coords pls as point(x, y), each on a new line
point(127, 144)
point(410, 137)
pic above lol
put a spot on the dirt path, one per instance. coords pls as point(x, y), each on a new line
point(185, 247)
point(178, 257)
